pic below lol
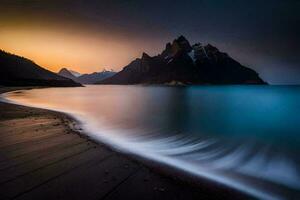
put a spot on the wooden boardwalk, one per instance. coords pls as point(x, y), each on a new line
point(41, 158)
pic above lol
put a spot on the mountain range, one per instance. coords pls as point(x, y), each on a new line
point(19, 71)
point(181, 63)
point(86, 78)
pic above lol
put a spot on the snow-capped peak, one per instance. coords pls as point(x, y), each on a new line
point(192, 55)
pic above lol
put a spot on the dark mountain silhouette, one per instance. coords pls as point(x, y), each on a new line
point(181, 63)
point(19, 71)
point(67, 74)
point(87, 78)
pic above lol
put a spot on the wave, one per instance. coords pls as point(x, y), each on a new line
point(246, 165)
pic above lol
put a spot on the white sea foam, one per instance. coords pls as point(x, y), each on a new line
point(240, 165)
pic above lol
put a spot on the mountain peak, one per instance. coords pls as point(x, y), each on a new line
point(181, 38)
point(66, 73)
point(181, 62)
point(181, 44)
point(145, 56)
point(63, 70)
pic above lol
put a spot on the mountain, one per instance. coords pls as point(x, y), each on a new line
point(76, 74)
point(20, 71)
point(86, 78)
point(181, 63)
point(95, 77)
point(66, 73)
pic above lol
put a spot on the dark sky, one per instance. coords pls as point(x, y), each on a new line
point(261, 34)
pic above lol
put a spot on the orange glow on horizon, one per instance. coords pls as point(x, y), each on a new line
point(84, 52)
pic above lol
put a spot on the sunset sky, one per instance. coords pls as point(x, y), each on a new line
point(89, 35)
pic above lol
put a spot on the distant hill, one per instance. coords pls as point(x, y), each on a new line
point(67, 74)
point(76, 74)
point(86, 78)
point(20, 71)
point(95, 77)
point(183, 64)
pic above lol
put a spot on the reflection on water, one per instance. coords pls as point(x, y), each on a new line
point(246, 137)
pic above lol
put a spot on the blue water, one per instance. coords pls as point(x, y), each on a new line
point(246, 137)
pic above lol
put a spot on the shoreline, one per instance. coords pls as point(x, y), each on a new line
point(194, 187)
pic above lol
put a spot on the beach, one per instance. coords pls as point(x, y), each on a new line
point(43, 157)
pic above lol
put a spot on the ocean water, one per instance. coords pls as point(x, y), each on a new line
point(246, 137)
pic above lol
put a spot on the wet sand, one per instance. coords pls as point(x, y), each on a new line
point(42, 157)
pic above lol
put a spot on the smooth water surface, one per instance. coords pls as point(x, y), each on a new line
point(247, 137)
